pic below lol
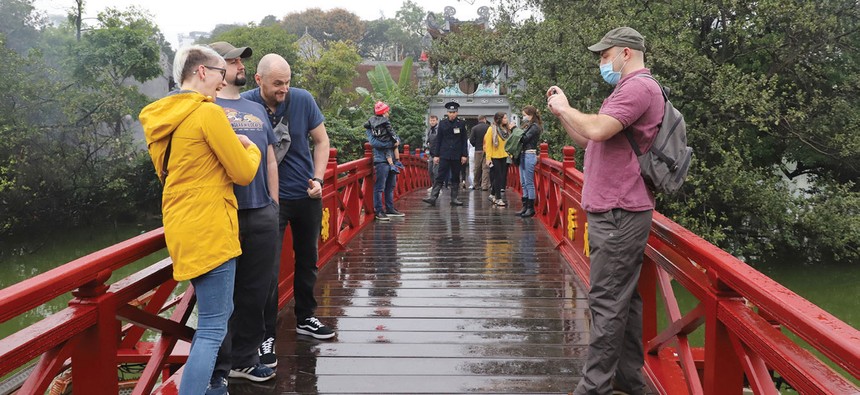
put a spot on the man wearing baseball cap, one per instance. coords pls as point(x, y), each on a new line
point(258, 232)
point(618, 206)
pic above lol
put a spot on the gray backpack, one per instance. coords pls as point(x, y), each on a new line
point(665, 165)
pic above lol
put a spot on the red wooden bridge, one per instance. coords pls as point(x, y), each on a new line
point(449, 300)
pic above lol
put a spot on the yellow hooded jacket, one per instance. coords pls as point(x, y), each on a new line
point(206, 158)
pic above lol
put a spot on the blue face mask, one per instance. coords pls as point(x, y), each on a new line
point(609, 75)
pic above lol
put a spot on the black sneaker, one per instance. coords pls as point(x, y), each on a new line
point(258, 372)
point(313, 327)
point(267, 353)
point(217, 386)
point(382, 217)
point(394, 213)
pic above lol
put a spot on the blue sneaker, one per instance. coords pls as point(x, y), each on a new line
point(217, 386)
point(258, 373)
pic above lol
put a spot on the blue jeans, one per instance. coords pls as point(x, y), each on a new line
point(527, 174)
point(385, 182)
point(214, 292)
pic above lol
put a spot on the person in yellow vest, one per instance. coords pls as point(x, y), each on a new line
point(198, 157)
point(496, 156)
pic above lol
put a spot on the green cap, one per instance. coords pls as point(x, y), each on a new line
point(620, 37)
point(228, 51)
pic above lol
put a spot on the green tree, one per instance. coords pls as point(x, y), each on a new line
point(330, 77)
point(262, 40)
point(20, 23)
point(67, 154)
point(409, 32)
point(375, 44)
point(326, 26)
point(768, 89)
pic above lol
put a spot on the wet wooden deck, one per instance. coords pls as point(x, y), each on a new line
point(447, 300)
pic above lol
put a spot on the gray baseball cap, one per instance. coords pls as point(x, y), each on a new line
point(620, 37)
point(228, 51)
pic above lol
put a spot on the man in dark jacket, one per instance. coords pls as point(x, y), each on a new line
point(450, 152)
point(481, 175)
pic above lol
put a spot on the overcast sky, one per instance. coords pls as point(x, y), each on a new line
point(177, 16)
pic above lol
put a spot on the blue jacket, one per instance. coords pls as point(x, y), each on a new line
point(381, 150)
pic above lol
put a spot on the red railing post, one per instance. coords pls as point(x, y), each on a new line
point(404, 179)
point(648, 292)
point(331, 203)
point(723, 371)
point(367, 184)
point(542, 182)
point(94, 358)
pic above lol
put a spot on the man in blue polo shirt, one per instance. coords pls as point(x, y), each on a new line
point(294, 113)
point(258, 232)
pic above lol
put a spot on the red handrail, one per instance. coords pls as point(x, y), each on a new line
point(743, 312)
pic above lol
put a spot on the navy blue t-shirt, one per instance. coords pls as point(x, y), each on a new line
point(250, 119)
point(298, 165)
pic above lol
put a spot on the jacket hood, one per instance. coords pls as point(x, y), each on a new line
point(375, 121)
point(162, 117)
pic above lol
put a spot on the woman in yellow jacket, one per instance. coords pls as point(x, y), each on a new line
point(198, 158)
point(496, 156)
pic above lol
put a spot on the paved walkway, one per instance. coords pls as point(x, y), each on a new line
point(448, 300)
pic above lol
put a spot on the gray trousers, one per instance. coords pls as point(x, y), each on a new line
point(481, 174)
point(617, 239)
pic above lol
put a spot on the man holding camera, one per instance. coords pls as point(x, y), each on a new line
point(619, 207)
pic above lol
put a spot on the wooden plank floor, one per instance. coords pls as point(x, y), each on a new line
point(448, 300)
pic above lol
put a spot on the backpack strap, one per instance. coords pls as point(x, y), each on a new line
point(664, 90)
point(629, 135)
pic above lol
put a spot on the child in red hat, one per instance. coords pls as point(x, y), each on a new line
point(380, 127)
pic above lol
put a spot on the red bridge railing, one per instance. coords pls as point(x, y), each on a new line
point(744, 313)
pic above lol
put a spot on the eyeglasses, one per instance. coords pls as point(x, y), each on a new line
point(223, 71)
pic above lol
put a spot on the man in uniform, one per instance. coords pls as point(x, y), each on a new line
point(450, 152)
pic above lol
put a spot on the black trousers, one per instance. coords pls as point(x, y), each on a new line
point(448, 167)
point(258, 235)
point(304, 216)
point(499, 176)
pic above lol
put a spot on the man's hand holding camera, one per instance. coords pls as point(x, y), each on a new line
point(556, 100)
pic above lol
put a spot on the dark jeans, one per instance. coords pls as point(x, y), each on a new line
point(304, 216)
point(258, 235)
point(385, 182)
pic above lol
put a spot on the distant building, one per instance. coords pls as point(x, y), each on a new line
point(309, 47)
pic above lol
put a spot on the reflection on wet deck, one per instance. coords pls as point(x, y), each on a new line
point(445, 301)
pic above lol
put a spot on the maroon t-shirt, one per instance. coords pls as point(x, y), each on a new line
point(612, 178)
